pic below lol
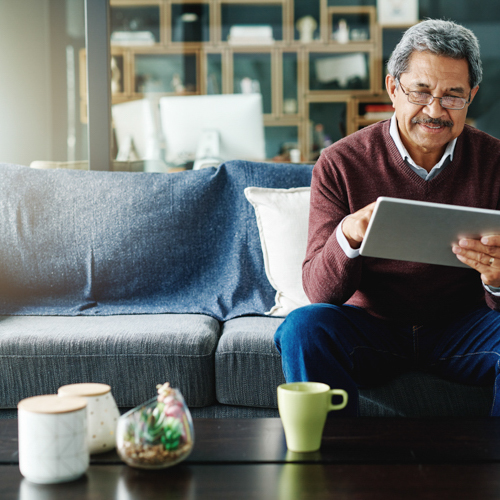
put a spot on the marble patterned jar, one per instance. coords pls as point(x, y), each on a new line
point(52, 438)
point(102, 414)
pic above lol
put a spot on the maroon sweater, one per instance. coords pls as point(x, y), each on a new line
point(352, 173)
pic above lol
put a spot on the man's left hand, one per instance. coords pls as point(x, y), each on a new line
point(482, 255)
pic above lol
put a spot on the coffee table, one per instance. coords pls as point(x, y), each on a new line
point(364, 458)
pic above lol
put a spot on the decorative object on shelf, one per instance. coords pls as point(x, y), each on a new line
point(157, 434)
point(213, 86)
point(352, 24)
point(249, 86)
point(250, 35)
point(116, 76)
point(306, 26)
point(290, 106)
point(187, 27)
point(397, 12)
point(177, 84)
point(320, 139)
point(102, 414)
point(359, 35)
point(341, 68)
point(149, 83)
point(52, 438)
point(132, 38)
point(295, 155)
point(341, 35)
point(189, 17)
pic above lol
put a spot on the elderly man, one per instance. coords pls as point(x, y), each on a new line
point(371, 319)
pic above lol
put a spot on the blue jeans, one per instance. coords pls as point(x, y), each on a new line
point(347, 348)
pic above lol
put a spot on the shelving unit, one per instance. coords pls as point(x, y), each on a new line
point(307, 84)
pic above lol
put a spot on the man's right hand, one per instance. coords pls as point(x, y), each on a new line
point(355, 225)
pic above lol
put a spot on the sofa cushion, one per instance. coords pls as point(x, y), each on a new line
point(130, 353)
point(247, 363)
point(416, 394)
point(100, 243)
point(248, 372)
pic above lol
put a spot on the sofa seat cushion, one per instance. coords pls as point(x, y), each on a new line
point(247, 363)
point(416, 394)
point(131, 353)
point(248, 372)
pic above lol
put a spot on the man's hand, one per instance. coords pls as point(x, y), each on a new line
point(354, 226)
point(482, 255)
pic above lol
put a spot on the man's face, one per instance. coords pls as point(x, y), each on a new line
point(426, 130)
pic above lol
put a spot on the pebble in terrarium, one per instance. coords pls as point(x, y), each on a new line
point(158, 433)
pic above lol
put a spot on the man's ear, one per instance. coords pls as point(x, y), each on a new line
point(474, 92)
point(390, 85)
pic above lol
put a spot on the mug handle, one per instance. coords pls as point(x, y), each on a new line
point(338, 392)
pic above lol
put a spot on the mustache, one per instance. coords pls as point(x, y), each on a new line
point(432, 121)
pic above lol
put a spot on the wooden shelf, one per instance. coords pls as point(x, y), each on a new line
point(299, 77)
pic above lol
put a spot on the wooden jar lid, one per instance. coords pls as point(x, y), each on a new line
point(52, 404)
point(86, 389)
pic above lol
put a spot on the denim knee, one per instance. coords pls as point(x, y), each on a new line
point(303, 325)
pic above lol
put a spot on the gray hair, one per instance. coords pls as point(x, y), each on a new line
point(442, 38)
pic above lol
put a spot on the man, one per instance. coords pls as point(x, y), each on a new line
point(370, 319)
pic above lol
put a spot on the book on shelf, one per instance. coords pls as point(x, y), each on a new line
point(378, 111)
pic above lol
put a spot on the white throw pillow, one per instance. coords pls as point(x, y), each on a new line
point(283, 217)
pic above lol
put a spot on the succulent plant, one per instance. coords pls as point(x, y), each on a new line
point(159, 424)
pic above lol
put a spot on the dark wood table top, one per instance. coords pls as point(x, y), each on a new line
point(360, 458)
point(345, 441)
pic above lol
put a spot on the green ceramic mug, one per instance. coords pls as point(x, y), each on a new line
point(303, 407)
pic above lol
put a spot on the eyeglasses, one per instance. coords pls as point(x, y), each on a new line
point(424, 99)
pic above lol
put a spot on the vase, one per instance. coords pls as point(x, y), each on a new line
point(52, 438)
point(102, 414)
point(157, 434)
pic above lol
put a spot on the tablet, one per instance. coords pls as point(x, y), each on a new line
point(418, 231)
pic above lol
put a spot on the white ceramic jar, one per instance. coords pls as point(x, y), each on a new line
point(52, 438)
point(102, 414)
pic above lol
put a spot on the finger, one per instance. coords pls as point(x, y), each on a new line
point(483, 263)
point(475, 264)
point(481, 246)
point(492, 240)
point(370, 208)
point(354, 228)
point(355, 225)
point(473, 255)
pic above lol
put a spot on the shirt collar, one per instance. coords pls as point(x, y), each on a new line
point(393, 130)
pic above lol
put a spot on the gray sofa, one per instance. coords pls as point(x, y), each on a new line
point(134, 279)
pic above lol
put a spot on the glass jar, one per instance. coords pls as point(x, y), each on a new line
point(157, 434)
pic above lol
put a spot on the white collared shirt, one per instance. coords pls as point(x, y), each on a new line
point(438, 167)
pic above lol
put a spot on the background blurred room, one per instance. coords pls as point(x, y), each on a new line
point(318, 66)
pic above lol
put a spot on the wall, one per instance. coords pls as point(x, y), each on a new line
point(25, 81)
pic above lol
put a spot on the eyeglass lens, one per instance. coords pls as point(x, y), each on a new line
point(446, 101)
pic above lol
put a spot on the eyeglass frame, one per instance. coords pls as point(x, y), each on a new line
point(407, 94)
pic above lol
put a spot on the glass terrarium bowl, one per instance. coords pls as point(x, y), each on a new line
point(157, 434)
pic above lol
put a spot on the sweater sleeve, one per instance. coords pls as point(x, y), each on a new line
point(328, 274)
